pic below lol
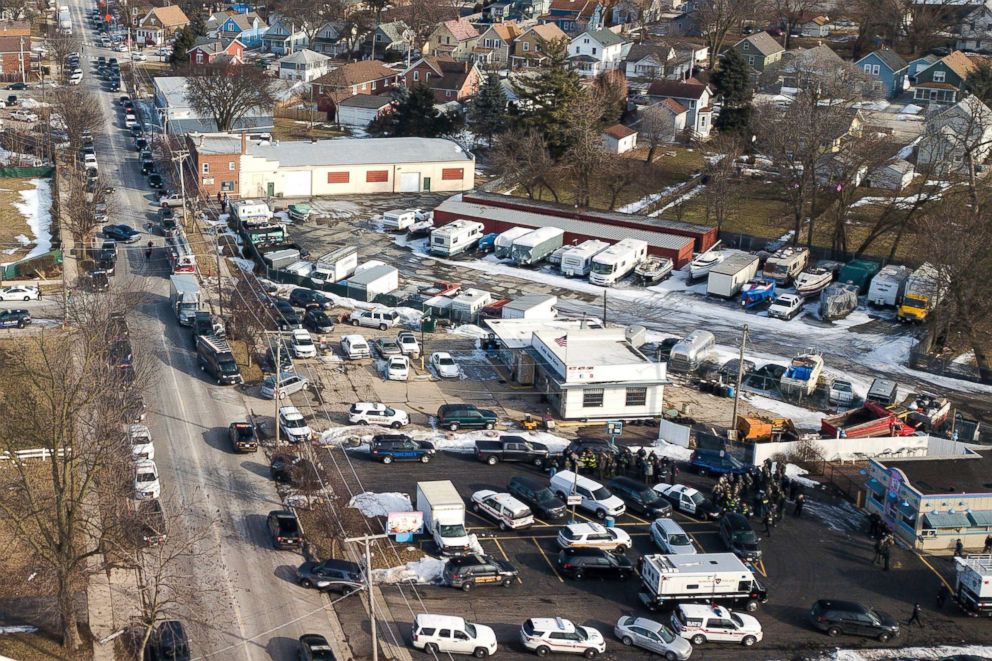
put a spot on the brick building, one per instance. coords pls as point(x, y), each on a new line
point(366, 77)
point(217, 159)
point(449, 80)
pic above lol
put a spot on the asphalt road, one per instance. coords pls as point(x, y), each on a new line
point(245, 607)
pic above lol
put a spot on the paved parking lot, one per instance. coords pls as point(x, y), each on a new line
point(823, 554)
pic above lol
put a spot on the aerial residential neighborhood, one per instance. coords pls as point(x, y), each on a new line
point(389, 329)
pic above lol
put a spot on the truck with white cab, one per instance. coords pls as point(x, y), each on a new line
point(973, 583)
point(444, 516)
point(184, 297)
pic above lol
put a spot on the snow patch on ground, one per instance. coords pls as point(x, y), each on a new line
point(469, 330)
point(682, 199)
point(662, 448)
point(841, 517)
point(22, 628)
point(647, 200)
point(380, 504)
point(801, 417)
point(36, 207)
point(424, 571)
point(245, 265)
point(915, 653)
point(796, 473)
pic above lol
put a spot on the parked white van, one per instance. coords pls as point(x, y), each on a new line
point(449, 634)
point(354, 347)
point(595, 497)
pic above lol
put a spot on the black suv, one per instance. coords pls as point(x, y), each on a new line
point(848, 617)
point(286, 317)
point(594, 563)
point(302, 297)
point(538, 497)
point(640, 497)
point(149, 524)
point(285, 529)
point(19, 318)
point(737, 534)
point(170, 642)
point(388, 448)
point(580, 445)
point(243, 437)
point(467, 571)
point(317, 320)
point(330, 576)
point(455, 416)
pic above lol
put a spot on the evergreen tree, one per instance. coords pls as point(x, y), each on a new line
point(487, 112)
point(414, 115)
point(732, 81)
point(979, 82)
point(546, 100)
point(180, 49)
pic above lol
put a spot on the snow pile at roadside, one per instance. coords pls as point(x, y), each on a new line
point(470, 331)
point(17, 628)
point(380, 504)
point(795, 473)
point(245, 265)
point(916, 653)
point(36, 207)
point(442, 440)
point(662, 448)
point(423, 571)
point(647, 200)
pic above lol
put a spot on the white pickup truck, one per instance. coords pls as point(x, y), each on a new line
point(786, 306)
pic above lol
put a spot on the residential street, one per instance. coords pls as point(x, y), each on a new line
point(247, 609)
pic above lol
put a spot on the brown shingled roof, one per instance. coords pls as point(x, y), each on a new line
point(673, 88)
point(355, 73)
point(959, 63)
point(462, 29)
point(171, 16)
point(619, 131)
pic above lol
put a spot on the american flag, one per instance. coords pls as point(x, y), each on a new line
point(562, 341)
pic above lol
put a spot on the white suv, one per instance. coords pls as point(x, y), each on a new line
point(146, 483)
point(595, 497)
point(301, 344)
point(555, 634)
point(700, 623)
point(449, 634)
point(293, 425)
point(593, 535)
point(141, 442)
point(374, 413)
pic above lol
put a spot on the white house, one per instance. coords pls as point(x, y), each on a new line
point(692, 95)
point(648, 60)
point(159, 24)
point(618, 139)
point(817, 27)
point(597, 373)
point(305, 65)
point(956, 138)
point(595, 51)
point(895, 175)
point(975, 30)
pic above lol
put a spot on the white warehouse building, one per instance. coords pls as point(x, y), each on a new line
point(597, 374)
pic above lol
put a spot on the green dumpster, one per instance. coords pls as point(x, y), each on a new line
point(428, 324)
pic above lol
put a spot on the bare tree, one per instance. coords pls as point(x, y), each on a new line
point(423, 16)
point(618, 175)
point(657, 128)
point(60, 45)
point(522, 159)
point(716, 18)
point(227, 93)
point(586, 155)
point(793, 13)
point(722, 194)
point(310, 16)
point(81, 113)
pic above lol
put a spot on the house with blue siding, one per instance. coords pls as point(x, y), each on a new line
point(887, 70)
point(246, 28)
point(575, 16)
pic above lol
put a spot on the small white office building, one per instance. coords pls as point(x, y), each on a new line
point(597, 374)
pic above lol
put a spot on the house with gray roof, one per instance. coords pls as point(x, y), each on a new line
point(178, 117)
point(304, 65)
point(887, 70)
point(594, 51)
point(759, 50)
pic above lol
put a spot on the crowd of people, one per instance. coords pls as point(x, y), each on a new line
point(616, 461)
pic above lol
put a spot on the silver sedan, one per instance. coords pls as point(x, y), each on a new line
point(652, 636)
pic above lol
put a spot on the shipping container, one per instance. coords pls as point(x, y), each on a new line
point(727, 277)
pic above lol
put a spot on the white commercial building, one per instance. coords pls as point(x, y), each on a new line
point(597, 374)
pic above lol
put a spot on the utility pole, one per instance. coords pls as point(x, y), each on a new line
point(368, 584)
point(604, 306)
point(276, 393)
point(740, 375)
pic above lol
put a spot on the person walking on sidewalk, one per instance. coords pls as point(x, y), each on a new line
point(915, 617)
point(942, 593)
point(800, 502)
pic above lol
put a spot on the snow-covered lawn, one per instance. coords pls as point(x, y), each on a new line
point(380, 504)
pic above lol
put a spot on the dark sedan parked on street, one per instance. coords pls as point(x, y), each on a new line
point(123, 233)
point(579, 563)
point(330, 576)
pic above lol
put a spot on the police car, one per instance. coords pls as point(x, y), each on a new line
point(688, 500)
point(542, 635)
point(467, 571)
point(701, 623)
point(504, 509)
point(593, 535)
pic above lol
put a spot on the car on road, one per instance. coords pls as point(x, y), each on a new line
point(640, 498)
point(155, 181)
point(388, 448)
point(508, 512)
point(538, 497)
point(314, 647)
point(147, 166)
point(284, 529)
point(689, 501)
point(149, 525)
point(171, 200)
point(354, 347)
point(835, 617)
point(786, 306)
point(146, 482)
point(139, 57)
point(375, 413)
point(467, 571)
point(302, 297)
point(652, 636)
point(455, 416)
point(595, 498)
point(287, 385)
point(597, 445)
point(16, 87)
point(124, 233)
point(330, 575)
point(703, 623)
point(301, 344)
point(24, 116)
point(594, 536)
point(398, 368)
point(444, 365)
point(387, 346)
point(96, 281)
point(170, 642)
point(408, 344)
point(670, 537)
point(449, 634)
point(140, 439)
point(14, 318)
point(293, 425)
point(243, 437)
point(20, 293)
point(594, 563)
point(317, 320)
point(511, 448)
point(543, 635)
point(381, 319)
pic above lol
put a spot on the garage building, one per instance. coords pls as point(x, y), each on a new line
point(350, 166)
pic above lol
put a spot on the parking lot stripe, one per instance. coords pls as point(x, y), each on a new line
point(934, 570)
point(637, 518)
point(547, 560)
point(760, 566)
point(505, 556)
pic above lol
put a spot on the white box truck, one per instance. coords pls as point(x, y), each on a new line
point(504, 242)
point(399, 220)
point(727, 277)
point(251, 212)
point(456, 237)
point(533, 247)
point(888, 285)
point(444, 516)
point(184, 297)
point(721, 578)
point(577, 260)
point(617, 261)
point(335, 266)
point(973, 583)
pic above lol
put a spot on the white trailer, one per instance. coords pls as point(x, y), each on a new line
point(444, 516)
point(466, 306)
point(577, 260)
point(335, 266)
point(888, 285)
point(504, 242)
point(973, 583)
point(783, 267)
point(456, 237)
point(368, 284)
point(727, 277)
point(534, 246)
point(399, 220)
point(617, 261)
point(531, 306)
point(703, 577)
point(251, 212)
